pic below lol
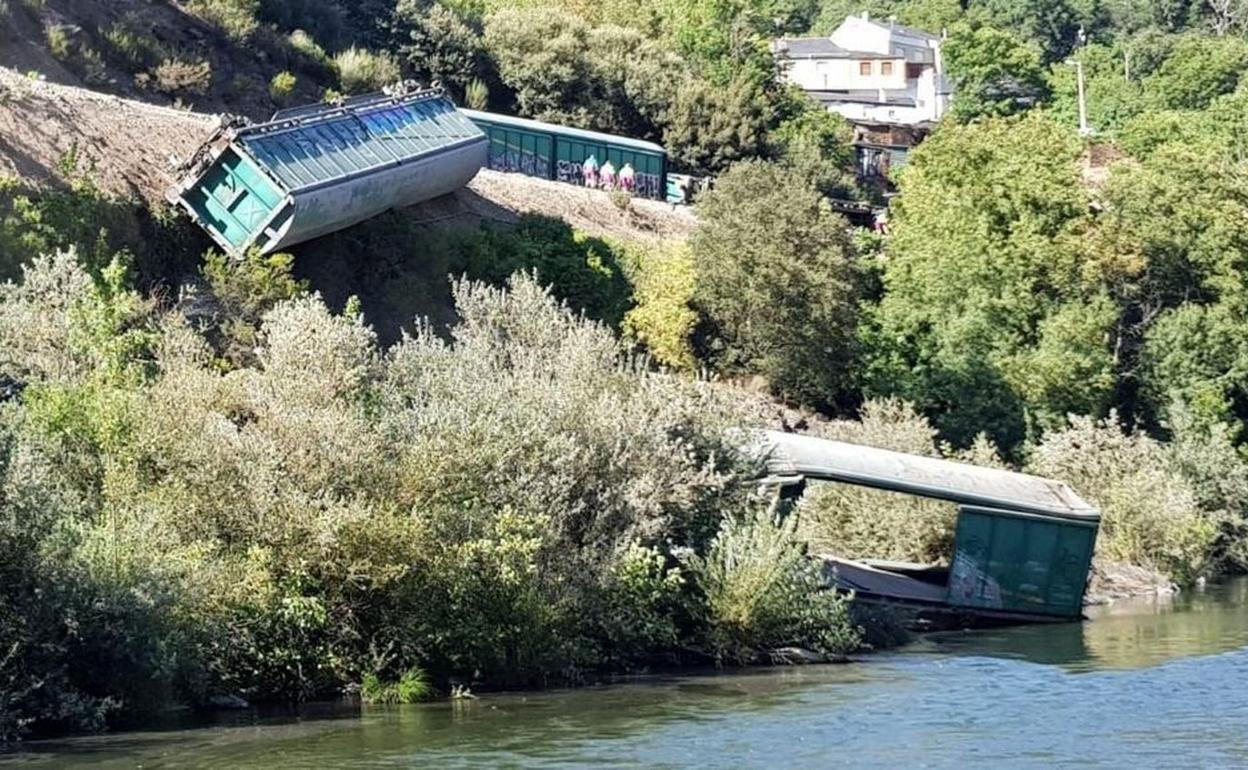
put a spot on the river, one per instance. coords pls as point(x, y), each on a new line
point(1142, 684)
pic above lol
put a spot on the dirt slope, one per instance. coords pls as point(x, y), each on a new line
point(129, 144)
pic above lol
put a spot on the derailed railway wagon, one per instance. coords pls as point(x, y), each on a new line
point(549, 151)
point(315, 170)
point(1022, 549)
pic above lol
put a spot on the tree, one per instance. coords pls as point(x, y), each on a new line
point(708, 128)
point(777, 282)
point(1111, 97)
point(1183, 205)
point(995, 317)
point(542, 58)
point(437, 44)
point(993, 72)
point(1227, 15)
point(728, 39)
point(1051, 24)
point(818, 141)
point(562, 70)
point(1198, 70)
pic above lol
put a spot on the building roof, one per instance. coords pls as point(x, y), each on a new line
point(891, 98)
point(580, 133)
point(320, 144)
point(791, 454)
point(823, 48)
point(893, 26)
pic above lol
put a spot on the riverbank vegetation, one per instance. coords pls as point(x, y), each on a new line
point(215, 482)
point(522, 504)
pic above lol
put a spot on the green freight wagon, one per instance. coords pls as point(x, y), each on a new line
point(1022, 549)
point(314, 170)
point(549, 151)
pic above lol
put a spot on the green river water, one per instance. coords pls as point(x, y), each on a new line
point(1140, 685)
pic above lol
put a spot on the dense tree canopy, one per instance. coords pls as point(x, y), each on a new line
point(993, 72)
point(777, 282)
point(994, 316)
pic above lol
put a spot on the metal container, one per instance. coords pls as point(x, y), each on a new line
point(314, 170)
point(1020, 562)
point(550, 151)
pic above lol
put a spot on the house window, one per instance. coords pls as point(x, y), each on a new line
point(864, 68)
point(886, 68)
point(914, 71)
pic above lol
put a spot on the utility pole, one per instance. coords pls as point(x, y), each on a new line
point(1083, 103)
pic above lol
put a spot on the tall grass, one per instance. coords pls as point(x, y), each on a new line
point(360, 70)
point(762, 592)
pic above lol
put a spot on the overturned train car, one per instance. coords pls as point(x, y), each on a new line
point(315, 170)
point(1022, 548)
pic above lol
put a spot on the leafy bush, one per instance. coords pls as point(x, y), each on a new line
point(663, 319)
point(1150, 512)
point(360, 70)
point(861, 523)
point(762, 592)
point(282, 86)
point(246, 289)
point(477, 95)
point(237, 18)
point(59, 41)
point(177, 77)
point(126, 44)
point(305, 46)
point(584, 271)
point(498, 506)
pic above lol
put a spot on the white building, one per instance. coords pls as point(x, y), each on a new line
point(870, 71)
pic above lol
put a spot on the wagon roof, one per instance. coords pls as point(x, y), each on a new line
point(580, 133)
point(315, 145)
point(790, 454)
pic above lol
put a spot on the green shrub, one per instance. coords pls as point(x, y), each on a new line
point(309, 57)
point(304, 44)
point(77, 214)
point(861, 523)
point(412, 687)
point(178, 77)
point(663, 319)
point(246, 288)
point(360, 70)
point(762, 592)
point(581, 270)
point(128, 46)
point(237, 18)
point(1150, 512)
point(644, 597)
point(282, 86)
point(498, 506)
point(60, 44)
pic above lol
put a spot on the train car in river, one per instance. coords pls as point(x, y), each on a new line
point(1022, 547)
point(549, 151)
